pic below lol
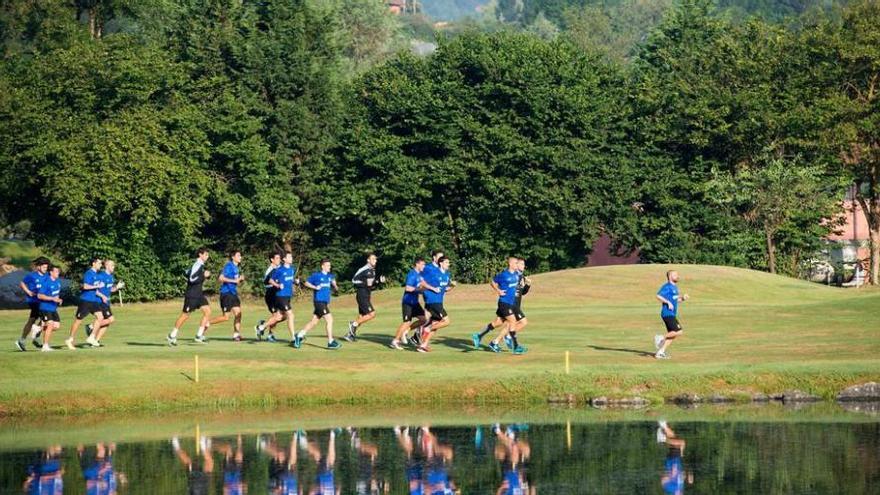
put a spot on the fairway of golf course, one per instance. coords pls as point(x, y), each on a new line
point(746, 333)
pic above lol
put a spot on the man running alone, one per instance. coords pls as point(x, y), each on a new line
point(669, 297)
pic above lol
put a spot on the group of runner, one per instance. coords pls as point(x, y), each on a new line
point(42, 288)
point(426, 282)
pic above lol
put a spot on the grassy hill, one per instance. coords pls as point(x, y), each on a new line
point(745, 332)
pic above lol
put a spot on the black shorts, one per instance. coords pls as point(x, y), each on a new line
point(672, 324)
point(504, 310)
point(411, 311)
point(191, 304)
point(87, 308)
point(35, 310)
point(282, 303)
point(518, 313)
point(48, 316)
point(322, 309)
point(270, 299)
point(229, 301)
point(438, 312)
point(365, 307)
point(106, 312)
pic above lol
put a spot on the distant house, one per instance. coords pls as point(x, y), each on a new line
point(397, 7)
point(851, 244)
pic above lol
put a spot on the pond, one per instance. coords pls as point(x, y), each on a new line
point(553, 453)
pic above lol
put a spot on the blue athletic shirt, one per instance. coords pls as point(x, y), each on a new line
point(50, 288)
point(507, 281)
point(439, 279)
point(670, 292)
point(674, 475)
point(428, 272)
point(90, 278)
point(32, 281)
point(323, 281)
point(230, 271)
point(413, 279)
point(107, 281)
point(284, 275)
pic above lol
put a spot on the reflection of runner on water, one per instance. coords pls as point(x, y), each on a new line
point(367, 454)
point(438, 459)
point(101, 478)
point(233, 481)
point(282, 467)
point(198, 476)
point(512, 453)
point(673, 479)
point(413, 466)
point(325, 484)
point(45, 476)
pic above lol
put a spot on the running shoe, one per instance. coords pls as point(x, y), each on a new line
point(395, 345)
point(422, 348)
point(20, 346)
point(172, 341)
point(92, 342)
point(257, 332)
point(416, 338)
point(334, 345)
point(200, 339)
point(88, 329)
point(494, 347)
point(69, 344)
point(297, 342)
point(236, 337)
point(475, 337)
point(46, 349)
point(272, 338)
point(36, 343)
point(520, 350)
point(661, 355)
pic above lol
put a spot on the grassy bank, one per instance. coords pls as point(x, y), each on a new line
point(745, 332)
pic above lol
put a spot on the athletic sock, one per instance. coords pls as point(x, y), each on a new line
point(513, 338)
point(174, 333)
point(201, 332)
point(301, 334)
point(354, 325)
point(486, 331)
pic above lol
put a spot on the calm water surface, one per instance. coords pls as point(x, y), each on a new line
point(513, 459)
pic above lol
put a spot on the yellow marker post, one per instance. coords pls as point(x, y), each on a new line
point(568, 434)
point(198, 437)
point(197, 368)
point(567, 362)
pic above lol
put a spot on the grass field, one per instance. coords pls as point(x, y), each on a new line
point(745, 332)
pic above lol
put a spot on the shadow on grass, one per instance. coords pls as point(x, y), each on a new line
point(615, 349)
point(187, 377)
point(146, 344)
point(463, 345)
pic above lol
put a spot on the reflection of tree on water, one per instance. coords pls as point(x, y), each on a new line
point(674, 476)
point(512, 452)
point(98, 471)
point(46, 476)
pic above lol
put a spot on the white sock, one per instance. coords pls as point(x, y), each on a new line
point(301, 334)
point(174, 333)
point(354, 324)
point(34, 330)
point(261, 328)
point(201, 332)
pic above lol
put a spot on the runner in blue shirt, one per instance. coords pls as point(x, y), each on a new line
point(674, 477)
point(428, 271)
point(283, 279)
point(30, 285)
point(108, 286)
point(440, 280)
point(269, 296)
point(323, 283)
point(90, 302)
point(413, 314)
point(230, 278)
point(50, 297)
point(506, 287)
point(669, 297)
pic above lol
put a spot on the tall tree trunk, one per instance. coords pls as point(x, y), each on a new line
point(771, 251)
point(870, 203)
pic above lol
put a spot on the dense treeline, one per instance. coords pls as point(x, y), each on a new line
point(140, 130)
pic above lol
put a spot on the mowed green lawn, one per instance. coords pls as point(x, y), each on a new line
point(746, 332)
